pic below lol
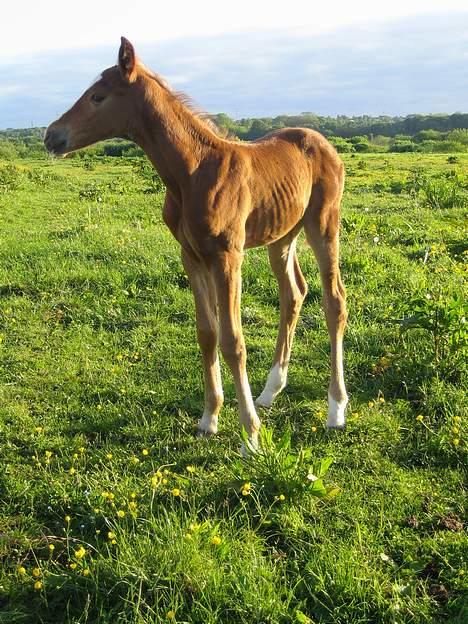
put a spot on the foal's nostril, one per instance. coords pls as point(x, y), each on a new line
point(55, 140)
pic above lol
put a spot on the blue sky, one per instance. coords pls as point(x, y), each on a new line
point(361, 63)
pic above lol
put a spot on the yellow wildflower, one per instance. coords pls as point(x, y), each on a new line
point(216, 540)
point(38, 585)
point(381, 400)
point(456, 419)
point(80, 553)
point(188, 536)
point(111, 535)
point(85, 572)
point(82, 449)
point(132, 505)
point(72, 471)
point(51, 547)
point(121, 513)
point(145, 452)
point(190, 469)
point(419, 417)
point(455, 430)
point(22, 570)
point(135, 460)
point(36, 572)
point(109, 455)
point(48, 454)
point(282, 497)
point(175, 492)
point(313, 429)
point(67, 519)
point(39, 429)
point(73, 566)
point(246, 489)
point(455, 441)
point(371, 404)
point(171, 614)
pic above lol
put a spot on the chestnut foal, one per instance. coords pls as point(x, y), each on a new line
point(224, 197)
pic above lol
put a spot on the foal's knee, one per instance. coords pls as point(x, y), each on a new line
point(207, 339)
point(233, 348)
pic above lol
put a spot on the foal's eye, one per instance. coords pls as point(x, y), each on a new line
point(97, 98)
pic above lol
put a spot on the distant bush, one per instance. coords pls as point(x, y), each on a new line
point(341, 145)
point(8, 150)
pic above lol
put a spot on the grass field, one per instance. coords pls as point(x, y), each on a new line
point(111, 511)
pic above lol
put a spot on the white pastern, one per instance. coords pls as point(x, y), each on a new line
point(208, 424)
point(336, 413)
point(276, 381)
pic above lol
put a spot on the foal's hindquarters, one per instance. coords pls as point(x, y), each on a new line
point(321, 225)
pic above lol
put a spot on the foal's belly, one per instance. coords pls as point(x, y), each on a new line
point(268, 223)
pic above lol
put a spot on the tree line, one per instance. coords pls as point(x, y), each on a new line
point(413, 133)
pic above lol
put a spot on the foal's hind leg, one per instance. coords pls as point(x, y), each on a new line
point(292, 290)
point(321, 227)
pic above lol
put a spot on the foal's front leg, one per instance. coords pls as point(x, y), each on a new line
point(204, 293)
point(227, 274)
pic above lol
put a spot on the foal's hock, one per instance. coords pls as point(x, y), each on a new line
point(224, 197)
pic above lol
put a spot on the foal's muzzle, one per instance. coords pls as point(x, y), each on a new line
point(56, 140)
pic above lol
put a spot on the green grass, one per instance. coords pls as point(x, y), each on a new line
point(101, 388)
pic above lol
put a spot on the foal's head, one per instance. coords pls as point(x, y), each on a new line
point(103, 111)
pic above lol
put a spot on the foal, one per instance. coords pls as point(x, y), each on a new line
point(224, 197)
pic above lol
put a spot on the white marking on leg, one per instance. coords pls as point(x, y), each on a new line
point(276, 381)
point(248, 416)
point(208, 423)
point(336, 413)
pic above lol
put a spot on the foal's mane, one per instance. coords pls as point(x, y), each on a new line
point(187, 102)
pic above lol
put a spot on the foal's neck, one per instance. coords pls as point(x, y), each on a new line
point(173, 137)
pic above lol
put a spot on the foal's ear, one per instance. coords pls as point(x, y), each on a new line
point(127, 60)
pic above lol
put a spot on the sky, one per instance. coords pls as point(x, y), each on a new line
point(246, 58)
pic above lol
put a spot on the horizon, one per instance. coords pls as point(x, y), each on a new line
point(301, 114)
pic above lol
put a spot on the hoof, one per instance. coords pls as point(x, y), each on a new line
point(336, 427)
point(264, 402)
point(201, 433)
point(250, 448)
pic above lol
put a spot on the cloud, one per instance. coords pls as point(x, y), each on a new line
point(401, 67)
